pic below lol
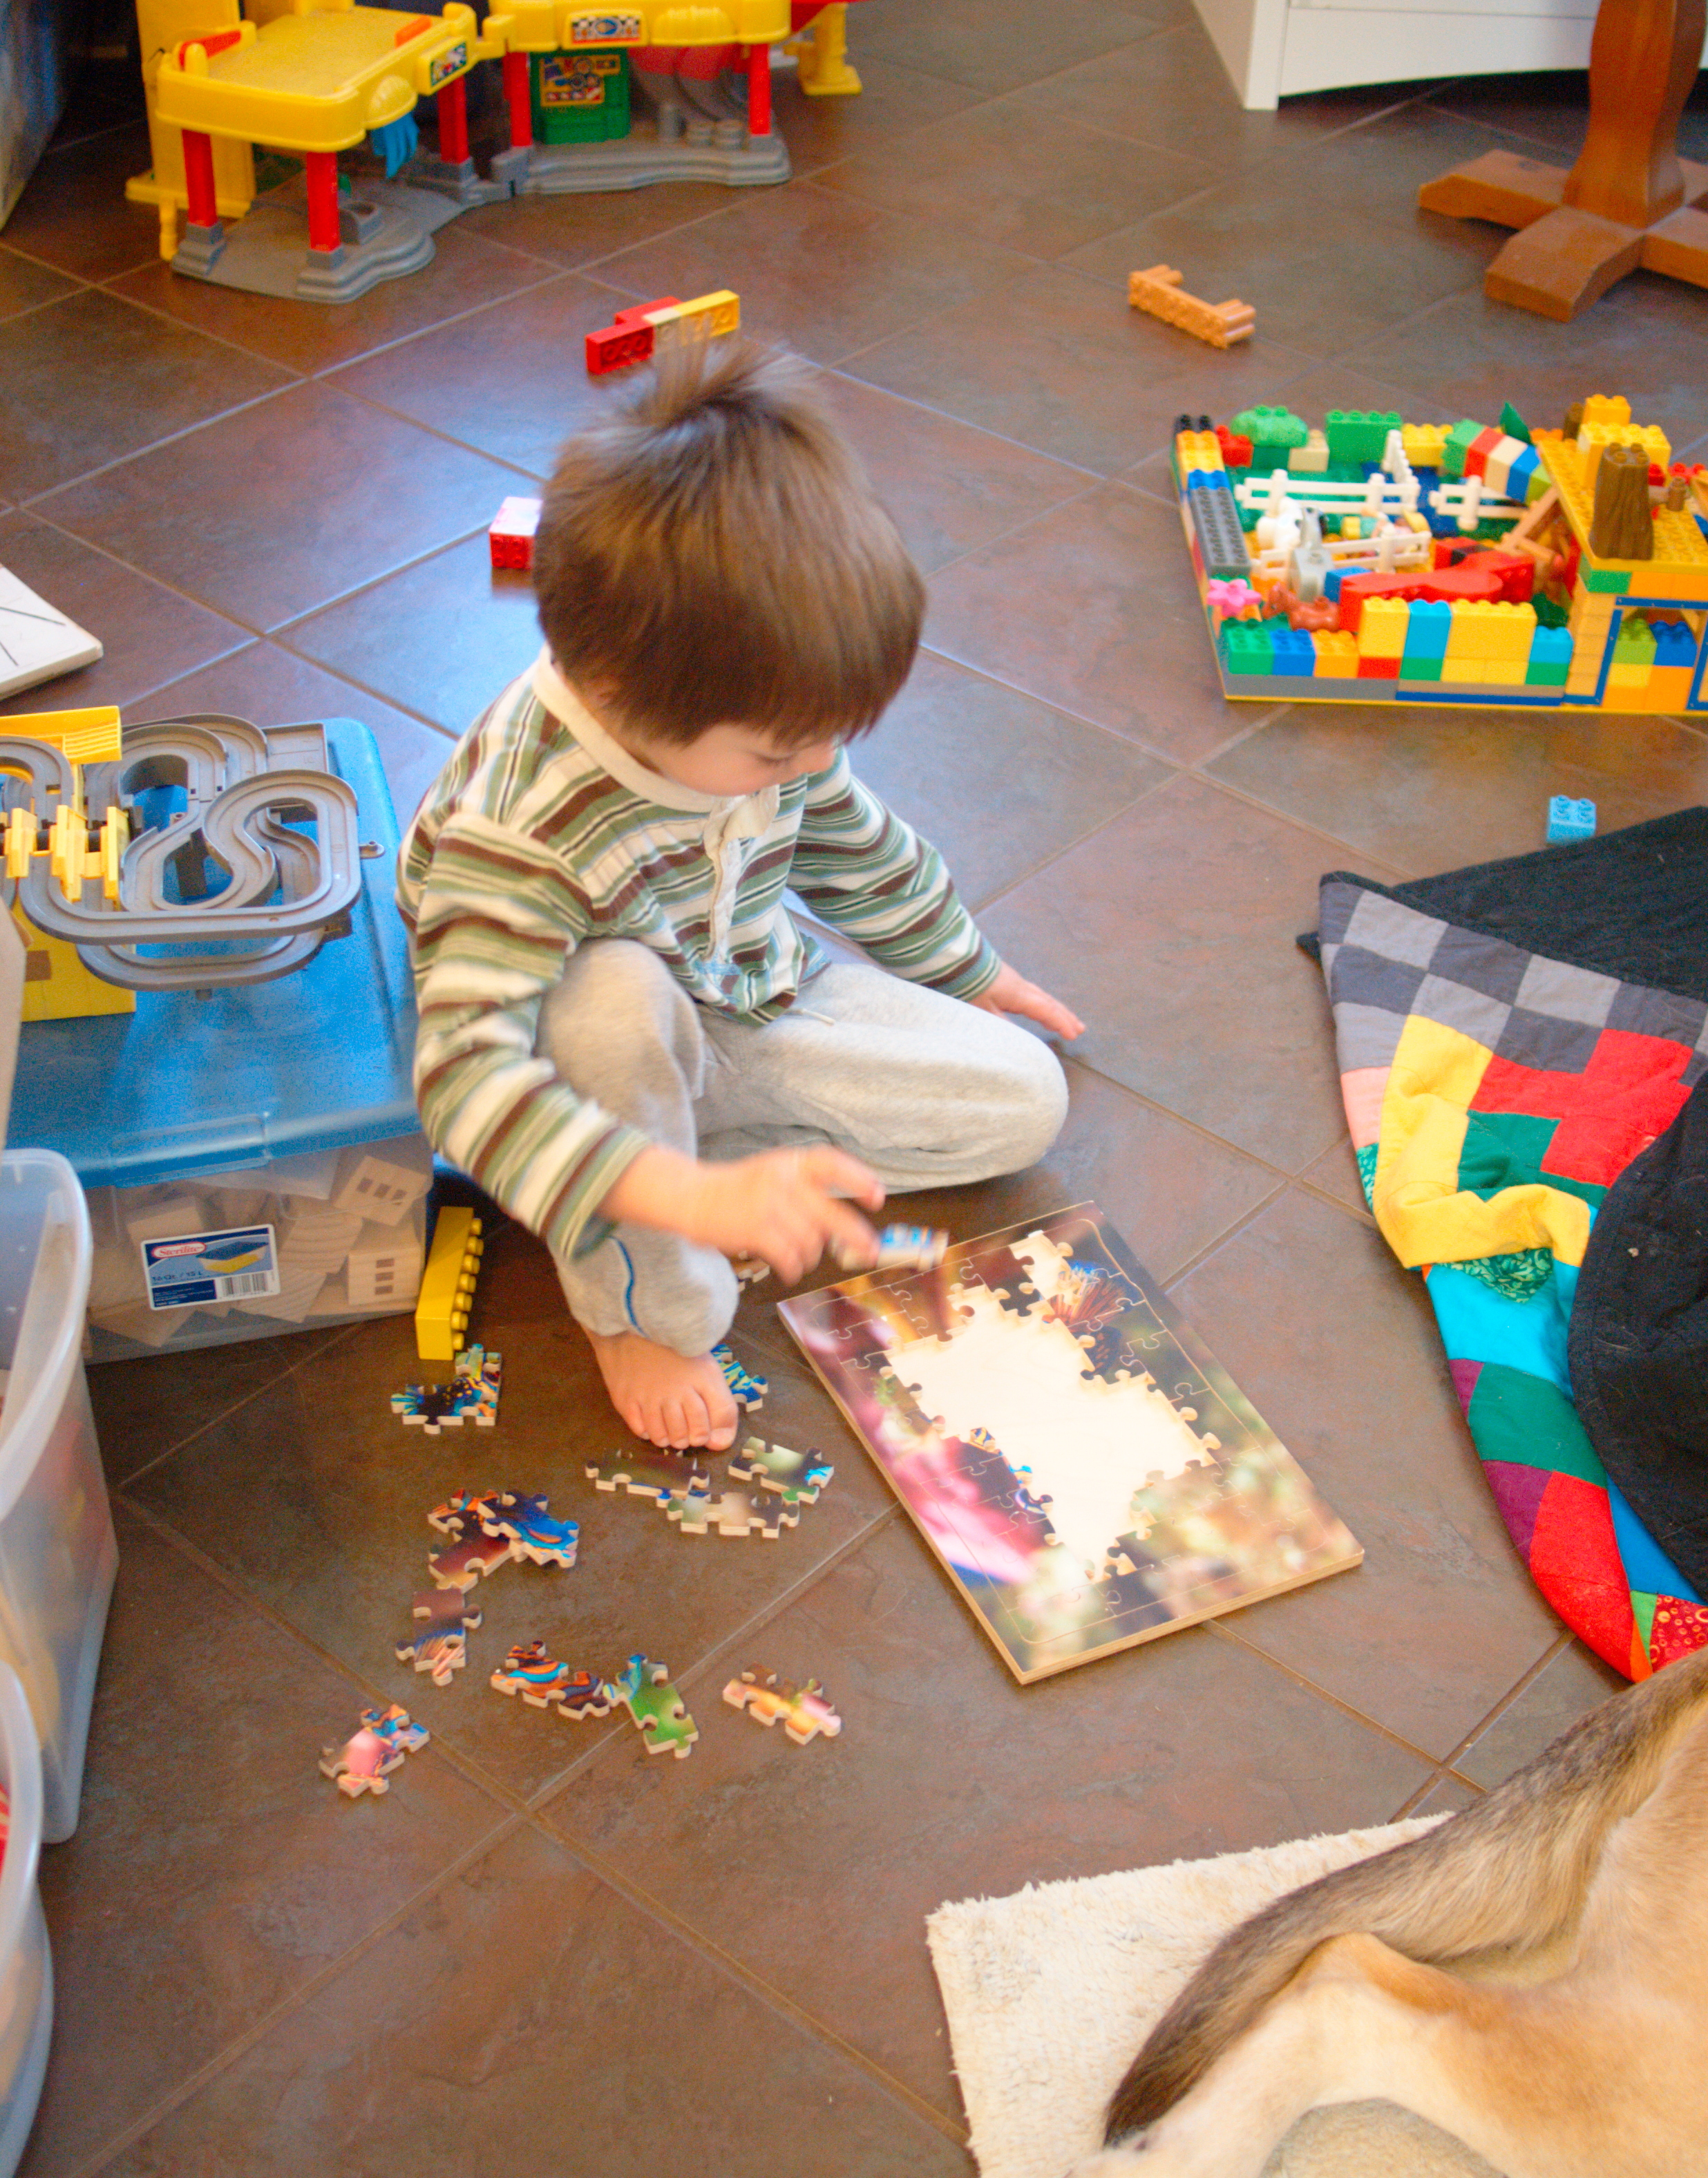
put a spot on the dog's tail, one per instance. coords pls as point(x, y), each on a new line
point(1508, 1875)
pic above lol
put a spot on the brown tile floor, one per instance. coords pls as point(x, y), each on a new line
point(545, 1953)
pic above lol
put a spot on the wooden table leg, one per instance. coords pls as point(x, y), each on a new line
point(1629, 201)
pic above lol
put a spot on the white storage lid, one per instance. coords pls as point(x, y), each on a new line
point(44, 1290)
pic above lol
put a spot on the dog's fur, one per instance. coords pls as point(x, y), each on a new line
point(1531, 1976)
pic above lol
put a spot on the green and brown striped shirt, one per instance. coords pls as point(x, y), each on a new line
point(542, 833)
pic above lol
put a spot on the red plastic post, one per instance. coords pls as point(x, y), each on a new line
point(320, 174)
point(758, 90)
point(453, 123)
point(516, 91)
point(203, 209)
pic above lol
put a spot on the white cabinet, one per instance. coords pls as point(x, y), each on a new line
point(1273, 48)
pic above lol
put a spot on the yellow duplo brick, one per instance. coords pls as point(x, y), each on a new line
point(1629, 676)
point(1500, 672)
point(1606, 408)
point(1423, 444)
point(1591, 614)
point(1382, 628)
point(1511, 630)
point(1337, 655)
point(1471, 634)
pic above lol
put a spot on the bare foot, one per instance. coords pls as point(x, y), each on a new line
point(668, 1398)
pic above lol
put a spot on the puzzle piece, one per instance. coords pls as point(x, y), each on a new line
point(648, 1472)
point(644, 1690)
point(363, 1763)
point(533, 1534)
point(436, 1649)
point(469, 1511)
point(394, 1725)
point(734, 1514)
point(463, 1562)
point(472, 1395)
point(805, 1710)
point(583, 1695)
point(541, 1682)
point(798, 1477)
point(747, 1390)
point(446, 1609)
point(910, 1247)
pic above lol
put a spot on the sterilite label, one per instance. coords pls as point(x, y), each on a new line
point(242, 1264)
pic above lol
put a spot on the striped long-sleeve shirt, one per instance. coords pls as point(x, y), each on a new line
point(542, 833)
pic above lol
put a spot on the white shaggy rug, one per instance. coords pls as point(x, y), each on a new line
point(1049, 1992)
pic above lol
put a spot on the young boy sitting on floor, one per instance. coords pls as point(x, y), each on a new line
point(625, 1036)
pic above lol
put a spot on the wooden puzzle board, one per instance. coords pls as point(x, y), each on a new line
point(1082, 1466)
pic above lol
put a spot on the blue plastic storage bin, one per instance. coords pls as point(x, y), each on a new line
point(253, 1159)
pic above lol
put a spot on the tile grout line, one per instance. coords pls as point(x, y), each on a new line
point(1223, 1632)
point(32, 500)
point(236, 1406)
point(611, 1873)
point(1520, 1686)
point(223, 2060)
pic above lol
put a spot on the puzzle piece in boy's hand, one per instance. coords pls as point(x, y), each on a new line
point(393, 1725)
point(528, 1670)
point(436, 1649)
point(805, 1711)
point(644, 1690)
point(798, 1477)
point(461, 1563)
point(734, 1514)
point(746, 1389)
point(533, 1534)
point(362, 1764)
point(446, 1609)
point(648, 1472)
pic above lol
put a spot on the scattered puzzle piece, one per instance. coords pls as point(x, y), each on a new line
point(747, 1390)
point(798, 1477)
point(583, 1695)
point(533, 1534)
point(468, 1511)
point(363, 1763)
point(394, 1725)
point(528, 1670)
point(648, 1472)
point(446, 1608)
point(464, 1562)
point(472, 1395)
point(436, 1649)
point(644, 1689)
point(805, 1710)
point(735, 1513)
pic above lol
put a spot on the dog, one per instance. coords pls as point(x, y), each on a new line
point(1531, 1976)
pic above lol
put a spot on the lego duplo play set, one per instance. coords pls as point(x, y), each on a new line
point(1378, 561)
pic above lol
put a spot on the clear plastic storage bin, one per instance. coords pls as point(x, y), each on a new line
point(57, 1555)
point(26, 1965)
point(252, 1159)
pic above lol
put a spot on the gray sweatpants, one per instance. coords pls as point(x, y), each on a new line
point(927, 1091)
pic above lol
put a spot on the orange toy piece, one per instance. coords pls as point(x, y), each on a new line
point(1157, 291)
point(1319, 616)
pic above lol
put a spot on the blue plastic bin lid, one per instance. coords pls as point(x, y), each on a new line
point(320, 1060)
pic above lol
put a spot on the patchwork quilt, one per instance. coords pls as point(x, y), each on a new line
point(1513, 1041)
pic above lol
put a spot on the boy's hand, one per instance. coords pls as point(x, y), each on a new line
point(787, 1207)
point(1011, 993)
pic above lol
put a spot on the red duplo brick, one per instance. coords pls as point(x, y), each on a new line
point(1378, 669)
point(1477, 452)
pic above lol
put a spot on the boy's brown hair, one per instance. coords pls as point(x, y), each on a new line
point(714, 553)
